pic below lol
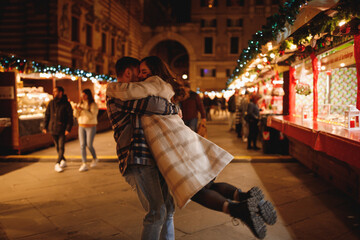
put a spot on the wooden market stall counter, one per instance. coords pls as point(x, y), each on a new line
point(24, 133)
point(331, 151)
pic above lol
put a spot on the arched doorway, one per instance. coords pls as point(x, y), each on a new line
point(166, 36)
point(174, 54)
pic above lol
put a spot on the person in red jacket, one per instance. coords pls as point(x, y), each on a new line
point(190, 108)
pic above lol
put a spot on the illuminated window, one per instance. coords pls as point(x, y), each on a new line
point(208, 72)
point(208, 3)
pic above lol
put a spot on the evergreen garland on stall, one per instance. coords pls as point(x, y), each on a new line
point(321, 33)
point(11, 62)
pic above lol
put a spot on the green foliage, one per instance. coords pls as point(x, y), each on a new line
point(322, 23)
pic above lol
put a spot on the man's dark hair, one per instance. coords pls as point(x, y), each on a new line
point(60, 89)
point(125, 62)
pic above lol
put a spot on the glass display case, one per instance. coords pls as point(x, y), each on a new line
point(352, 117)
point(306, 113)
point(32, 102)
point(343, 115)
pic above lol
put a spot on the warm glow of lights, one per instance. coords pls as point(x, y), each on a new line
point(272, 55)
point(211, 95)
point(219, 94)
point(45, 75)
point(184, 76)
point(73, 78)
point(323, 68)
point(269, 46)
point(228, 93)
point(59, 75)
point(211, 3)
point(278, 82)
point(260, 66)
point(265, 59)
point(342, 65)
point(247, 74)
point(342, 22)
point(293, 46)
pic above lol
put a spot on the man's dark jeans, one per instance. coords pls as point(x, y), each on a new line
point(59, 141)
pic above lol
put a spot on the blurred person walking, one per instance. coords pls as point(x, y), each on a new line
point(86, 113)
point(244, 108)
point(232, 109)
point(190, 107)
point(238, 117)
point(253, 119)
point(58, 122)
point(207, 106)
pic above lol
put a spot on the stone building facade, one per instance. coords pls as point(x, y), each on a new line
point(92, 34)
point(215, 37)
point(85, 34)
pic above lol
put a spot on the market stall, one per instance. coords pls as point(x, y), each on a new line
point(321, 84)
point(25, 96)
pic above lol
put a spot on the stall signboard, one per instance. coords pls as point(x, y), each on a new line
point(7, 92)
point(341, 58)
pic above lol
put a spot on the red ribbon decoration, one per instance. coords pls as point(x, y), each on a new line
point(315, 90)
point(357, 60)
point(292, 84)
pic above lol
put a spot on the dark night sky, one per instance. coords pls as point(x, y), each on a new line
point(166, 12)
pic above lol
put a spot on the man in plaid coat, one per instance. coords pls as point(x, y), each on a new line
point(135, 160)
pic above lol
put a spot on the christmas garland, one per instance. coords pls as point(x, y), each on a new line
point(320, 33)
point(9, 63)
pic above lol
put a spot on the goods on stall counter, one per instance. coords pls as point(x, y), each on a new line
point(352, 118)
point(32, 102)
point(278, 91)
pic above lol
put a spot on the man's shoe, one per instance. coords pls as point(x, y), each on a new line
point(94, 162)
point(266, 209)
point(256, 148)
point(246, 212)
point(83, 168)
point(58, 168)
point(63, 164)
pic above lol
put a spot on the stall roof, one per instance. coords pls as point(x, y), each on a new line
point(307, 13)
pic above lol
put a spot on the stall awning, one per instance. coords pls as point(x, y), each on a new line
point(308, 12)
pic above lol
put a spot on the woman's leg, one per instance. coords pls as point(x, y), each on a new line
point(250, 137)
point(256, 132)
point(210, 199)
point(82, 140)
point(265, 208)
point(90, 135)
point(246, 210)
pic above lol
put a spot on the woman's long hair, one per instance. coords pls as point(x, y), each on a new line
point(89, 96)
point(159, 68)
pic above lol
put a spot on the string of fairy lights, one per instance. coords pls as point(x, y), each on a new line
point(326, 30)
point(12, 62)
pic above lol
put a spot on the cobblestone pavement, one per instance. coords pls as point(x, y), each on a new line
point(38, 203)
